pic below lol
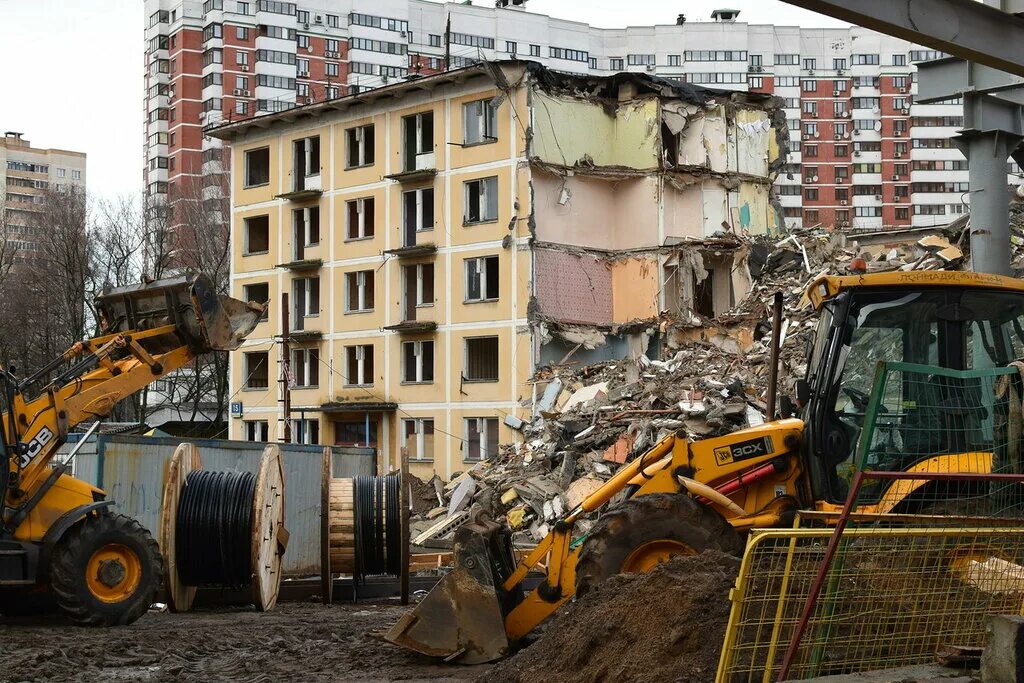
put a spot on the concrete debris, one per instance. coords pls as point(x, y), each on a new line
point(704, 377)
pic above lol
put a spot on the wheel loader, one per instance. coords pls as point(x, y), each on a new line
point(683, 497)
point(60, 540)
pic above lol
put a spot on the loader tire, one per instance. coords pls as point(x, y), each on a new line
point(637, 534)
point(105, 571)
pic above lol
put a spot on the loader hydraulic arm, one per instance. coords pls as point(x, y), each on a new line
point(151, 330)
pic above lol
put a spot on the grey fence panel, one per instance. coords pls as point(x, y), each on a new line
point(131, 470)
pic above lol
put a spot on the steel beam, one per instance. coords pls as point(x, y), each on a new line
point(964, 28)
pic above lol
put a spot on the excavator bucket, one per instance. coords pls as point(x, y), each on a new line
point(463, 618)
point(205, 320)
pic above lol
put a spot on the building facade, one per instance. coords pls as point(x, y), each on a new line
point(440, 239)
point(865, 155)
point(26, 173)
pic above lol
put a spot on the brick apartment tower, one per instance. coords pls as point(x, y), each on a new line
point(864, 155)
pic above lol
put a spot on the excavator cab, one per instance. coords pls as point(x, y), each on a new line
point(925, 411)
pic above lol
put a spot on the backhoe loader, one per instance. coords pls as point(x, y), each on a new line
point(683, 497)
point(60, 541)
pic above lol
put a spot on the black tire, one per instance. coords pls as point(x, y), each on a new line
point(643, 519)
point(70, 560)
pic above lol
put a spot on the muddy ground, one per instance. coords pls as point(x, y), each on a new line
point(295, 642)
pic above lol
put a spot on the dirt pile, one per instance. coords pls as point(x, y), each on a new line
point(665, 625)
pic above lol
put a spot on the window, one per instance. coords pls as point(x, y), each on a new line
point(332, 46)
point(359, 146)
point(359, 291)
point(640, 60)
point(675, 60)
point(418, 140)
point(257, 167)
point(811, 194)
point(810, 150)
point(302, 16)
point(867, 211)
point(842, 172)
point(276, 7)
point(331, 69)
point(787, 59)
point(810, 129)
point(257, 235)
point(810, 107)
point(481, 438)
point(511, 47)
point(787, 81)
point(305, 300)
point(241, 82)
point(383, 46)
point(417, 213)
point(306, 160)
point(256, 430)
point(275, 56)
point(865, 124)
point(480, 199)
point(241, 33)
point(271, 81)
point(258, 292)
point(419, 287)
point(332, 21)
point(902, 214)
point(715, 55)
point(839, 64)
point(481, 278)
point(899, 82)
point(810, 64)
point(809, 86)
point(418, 362)
point(615, 64)
point(419, 438)
point(304, 42)
point(481, 359)
point(241, 58)
point(302, 90)
point(899, 60)
point(568, 54)
point(755, 60)
point(62, 172)
point(257, 370)
point(841, 85)
point(811, 216)
point(435, 40)
point(213, 56)
point(755, 82)
point(241, 107)
point(534, 50)
point(865, 60)
point(479, 122)
point(842, 194)
point(359, 218)
point(839, 109)
point(211, 31)
point(305, 230)
point(306, 367)
point(865, 81)
point(306, 430)
point(359, 365)
point(355, 433)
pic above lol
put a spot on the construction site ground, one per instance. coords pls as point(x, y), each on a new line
point(297, 641)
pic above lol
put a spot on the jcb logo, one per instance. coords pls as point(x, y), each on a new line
point(35, 445)
point(743, 450)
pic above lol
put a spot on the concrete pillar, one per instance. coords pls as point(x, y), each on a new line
point(986, 153)
point(1003, 659)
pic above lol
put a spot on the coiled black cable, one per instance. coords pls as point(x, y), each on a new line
point(378, 537)
point(214, 533)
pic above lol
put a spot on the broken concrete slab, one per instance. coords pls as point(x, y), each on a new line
point(581, 489)
point(619, 451)
point(586, 395)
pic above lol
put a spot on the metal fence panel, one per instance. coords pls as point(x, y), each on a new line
point(131, 470)
point(892, 597)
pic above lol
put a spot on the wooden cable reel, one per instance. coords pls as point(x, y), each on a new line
point(268, 535)
point(344, 541)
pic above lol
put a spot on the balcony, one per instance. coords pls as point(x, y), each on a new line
point(305, 187)
point(300, 265)
point(412, 326)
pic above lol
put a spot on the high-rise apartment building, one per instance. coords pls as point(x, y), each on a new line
point(863, 155)
point(435, 254)
point(26, 173)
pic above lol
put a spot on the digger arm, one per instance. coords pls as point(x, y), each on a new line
point(559, 583)
point(153, 330)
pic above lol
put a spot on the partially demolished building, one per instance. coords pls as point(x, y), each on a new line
point(443, 238)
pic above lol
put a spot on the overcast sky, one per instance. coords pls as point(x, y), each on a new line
point(71, 71)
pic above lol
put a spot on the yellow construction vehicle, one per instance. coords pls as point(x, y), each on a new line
point(684, 497)
point(59, 539)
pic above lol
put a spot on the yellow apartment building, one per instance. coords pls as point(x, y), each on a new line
point(441, 238)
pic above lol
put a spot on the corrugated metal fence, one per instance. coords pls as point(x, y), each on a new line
point(131, 470)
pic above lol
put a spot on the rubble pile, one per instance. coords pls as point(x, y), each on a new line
point(586, 421)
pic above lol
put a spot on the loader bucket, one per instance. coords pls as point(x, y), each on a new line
point(463, 618)
point(205, 320)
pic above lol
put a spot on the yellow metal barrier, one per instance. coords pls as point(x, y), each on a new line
point(891, 597)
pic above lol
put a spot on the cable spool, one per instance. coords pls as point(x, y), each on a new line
point(222, 529)
point(361, 527)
